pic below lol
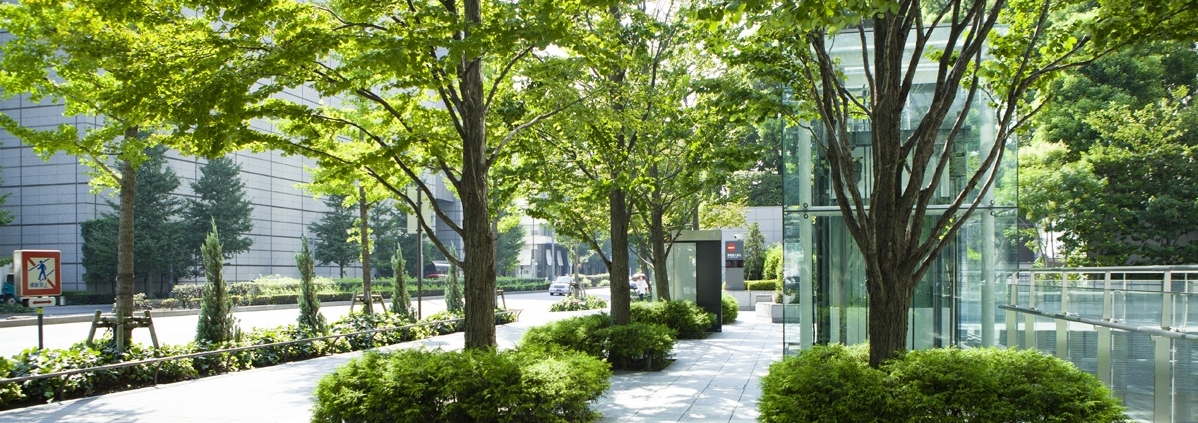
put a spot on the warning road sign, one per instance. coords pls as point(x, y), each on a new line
point(40, 273)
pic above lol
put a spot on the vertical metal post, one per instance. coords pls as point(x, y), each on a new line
point(1012, 316)
point(806, 258)
point(1162, 365)
point(1063, 325)
point(1104, 333)
point(40, 342)
point(1029, 321)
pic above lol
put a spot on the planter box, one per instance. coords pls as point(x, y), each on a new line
point(774, 312)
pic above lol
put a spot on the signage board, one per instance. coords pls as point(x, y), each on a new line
point(734, 250)
point(38, 272)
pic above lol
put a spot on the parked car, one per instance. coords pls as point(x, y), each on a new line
point(561, 285)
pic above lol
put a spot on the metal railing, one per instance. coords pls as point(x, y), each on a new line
point(1133, 327)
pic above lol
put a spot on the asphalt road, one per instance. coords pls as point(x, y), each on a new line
point(21, 333)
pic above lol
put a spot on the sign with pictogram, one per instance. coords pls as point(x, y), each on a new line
point(734, 250)
point(39, 273)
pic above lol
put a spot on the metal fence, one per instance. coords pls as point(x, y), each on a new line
point(1132, 327)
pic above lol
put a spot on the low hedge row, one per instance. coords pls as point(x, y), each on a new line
point(463, 386)
point(762, 285)
point(80, 356)
point(570, 303)
point(684, 317)
point(835, 383)
point(632, 346)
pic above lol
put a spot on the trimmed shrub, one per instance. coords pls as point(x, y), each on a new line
point(765, 285)
point(88, 298)
point(988, 384)
point(638, 345)
point(730, 308)
point(15, 308)
point(462, 386)
point(690, 321)
point(828, 383)
point(569, 303)
point(576, 333)
point(632, 346)
point(835, 383)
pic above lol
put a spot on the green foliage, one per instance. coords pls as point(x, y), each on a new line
point(755, 253)
point(453, 291)
point(730, 308)
point(828, 383)
point(508, 247)
point(158, 246)
point(1109, 167)
point(331, 232)
point(310, 319)
point(14, 308)
point(765, 285)
point(632, 346)
point(220, 197)
point(690, 321)
point(772, 267)
point(638, 345)
point(834, 383)
point(471, 385)
point(401, 300)
point(570, 303)
point(216, 324)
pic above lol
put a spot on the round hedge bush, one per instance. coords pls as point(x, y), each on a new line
point(685, 317)
point(462, 386)
point(730, 309)
point(834, 383)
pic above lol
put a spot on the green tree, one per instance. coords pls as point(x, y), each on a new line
point(158, 249)
point(401, 300)
point(386, 227)
point(898, 236)
point(1109, 166)
point(754, 253)
point(509, 244)
point(332, 235)
point(447, 106)
point(310, 320)
point(453, 290)
point(219, 196)
point(216, 323)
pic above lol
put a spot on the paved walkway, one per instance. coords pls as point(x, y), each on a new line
point(715, 379)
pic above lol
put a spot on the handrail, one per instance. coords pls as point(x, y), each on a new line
point(1156, 331)
point(223, 351)
point(1115, 269)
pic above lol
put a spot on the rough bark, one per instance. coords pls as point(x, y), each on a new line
point(657, 240)
point(476, 217)
point(618, 270)
point(124, 251)
point(364, 233)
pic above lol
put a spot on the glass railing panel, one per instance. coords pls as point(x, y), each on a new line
point(1132, 378)
point(1139, 308)
point(1185, 381)
point(1086, 302)
point(1188, 309)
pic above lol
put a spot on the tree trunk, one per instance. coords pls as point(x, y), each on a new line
point(479, 261)
point(124, 249)
point(889, 312)
point(657, 240)
point(364, 233)
point(618, 271)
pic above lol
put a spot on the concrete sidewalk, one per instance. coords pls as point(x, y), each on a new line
point(712, 380)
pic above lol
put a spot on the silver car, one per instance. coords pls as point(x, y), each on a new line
point(561, 285)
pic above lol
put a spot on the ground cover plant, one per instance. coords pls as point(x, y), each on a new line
point(103, 352)
point(635, 346)
point(463, 386)
point(685, 317)
point(730, 308)
point(835, 383)
point(572, 303)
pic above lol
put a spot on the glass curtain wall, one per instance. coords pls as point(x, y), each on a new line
point(955, 303)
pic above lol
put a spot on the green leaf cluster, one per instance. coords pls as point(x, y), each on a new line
point(471, 385)
point(833, 383)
